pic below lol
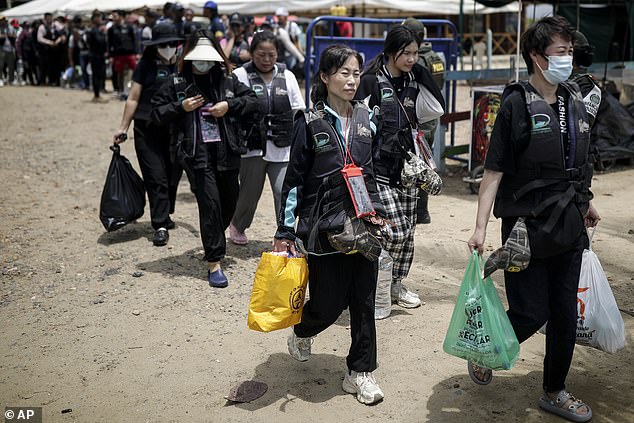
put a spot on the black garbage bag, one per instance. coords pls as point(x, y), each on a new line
point(123, 196)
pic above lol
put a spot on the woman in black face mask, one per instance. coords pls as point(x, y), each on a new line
point(151, 139)
point(204, 102)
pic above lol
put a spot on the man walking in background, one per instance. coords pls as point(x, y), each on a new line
point(98, 50)
point(121, 42)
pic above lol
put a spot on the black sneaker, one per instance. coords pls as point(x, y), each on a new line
point(170, 225)
point(161, 236)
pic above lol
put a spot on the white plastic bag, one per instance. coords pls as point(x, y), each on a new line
point(599, 321)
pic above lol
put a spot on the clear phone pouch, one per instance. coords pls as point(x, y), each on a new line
point(355, 182)
point(209, 127)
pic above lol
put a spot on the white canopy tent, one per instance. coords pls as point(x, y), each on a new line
point(37, 8)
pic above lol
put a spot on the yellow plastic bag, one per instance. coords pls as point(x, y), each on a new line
point(278, 293)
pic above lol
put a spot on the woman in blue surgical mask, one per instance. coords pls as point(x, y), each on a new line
point(151, 140)
point(203, 104)
point(538, 168)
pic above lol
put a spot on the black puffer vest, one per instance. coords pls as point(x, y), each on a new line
point(325, 191)
point(542, 185)
point(395, 136)
point(276, 116)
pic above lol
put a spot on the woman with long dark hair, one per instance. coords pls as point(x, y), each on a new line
point(269, 133)
point(401, 89)
point(335, 137)
point(152, 139)
point(204, 101)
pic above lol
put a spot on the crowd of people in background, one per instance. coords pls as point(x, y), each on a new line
point(82, 52)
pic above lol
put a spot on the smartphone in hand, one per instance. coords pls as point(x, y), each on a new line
point(192, 91)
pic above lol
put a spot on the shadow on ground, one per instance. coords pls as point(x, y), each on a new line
point(316, 381)
point(189, 264)
point(130, 232)
point(253, 249)
point(457, 399)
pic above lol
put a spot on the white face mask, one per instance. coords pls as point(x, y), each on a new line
point(202, 66)
point(167, 53)
point(559, 69)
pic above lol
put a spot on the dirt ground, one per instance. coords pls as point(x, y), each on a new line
point(81, 332)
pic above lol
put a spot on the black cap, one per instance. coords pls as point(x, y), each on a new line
point(163, 32)
point(579, 40)
point(268, 21)
point(236, 19)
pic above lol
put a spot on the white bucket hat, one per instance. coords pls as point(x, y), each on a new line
point(204, 50)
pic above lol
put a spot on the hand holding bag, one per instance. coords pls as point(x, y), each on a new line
point(278, 292)
point(480, 330)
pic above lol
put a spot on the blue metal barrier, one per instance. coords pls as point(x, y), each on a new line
point(370, 47)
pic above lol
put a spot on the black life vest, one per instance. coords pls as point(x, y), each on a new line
point(144, 107)
point(276, 116)
point(240, 44)
point(431, 60)
point(325, 194)
point(542, 185)
point(49, 34)
point(397, 119)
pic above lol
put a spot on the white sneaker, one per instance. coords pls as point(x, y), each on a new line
point(299, 348)
point(364, 386)
point(404, 297)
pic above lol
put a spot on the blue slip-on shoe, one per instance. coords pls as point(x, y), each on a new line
point(217, 279)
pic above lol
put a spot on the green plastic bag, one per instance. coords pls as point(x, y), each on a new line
point(479, 330)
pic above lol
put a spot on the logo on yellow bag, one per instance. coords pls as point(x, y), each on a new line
point(296, 299)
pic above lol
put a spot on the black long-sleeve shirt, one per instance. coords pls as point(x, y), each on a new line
point(96, 41)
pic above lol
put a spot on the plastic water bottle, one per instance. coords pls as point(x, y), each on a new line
point(382, 299)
